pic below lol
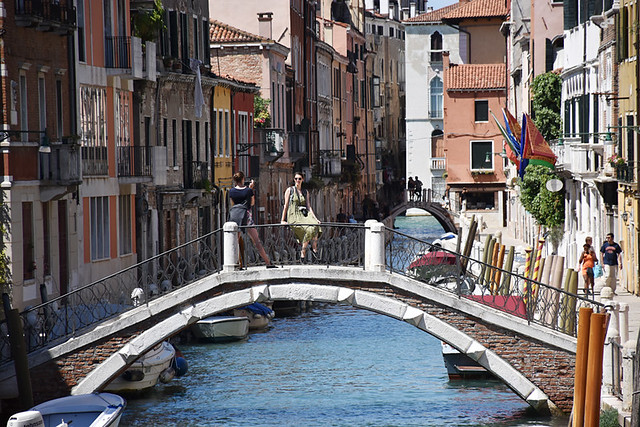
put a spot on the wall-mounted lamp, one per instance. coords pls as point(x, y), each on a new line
point(502, 154)
point(625, 216)
point(44, 144)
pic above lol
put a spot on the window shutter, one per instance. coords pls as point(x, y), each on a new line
point(548, 55)
point(570, 14)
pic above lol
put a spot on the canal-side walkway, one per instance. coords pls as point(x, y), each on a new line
point(609, 400)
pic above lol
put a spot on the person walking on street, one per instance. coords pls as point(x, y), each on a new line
point(418, 191)
point(612, 261)
point(297, 211)
point(587, 260)
point(243, 199)
point(411, 187)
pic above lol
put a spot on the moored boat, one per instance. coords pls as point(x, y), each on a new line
point(460, 366)
point(144, 373)
point(91, 410)
point(221, 328)
point(259, 315)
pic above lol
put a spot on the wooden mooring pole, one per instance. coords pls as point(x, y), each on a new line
point(19, 353)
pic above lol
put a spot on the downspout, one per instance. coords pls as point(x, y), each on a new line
point(468, 39)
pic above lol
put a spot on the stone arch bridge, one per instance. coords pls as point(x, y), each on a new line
point(526, 338)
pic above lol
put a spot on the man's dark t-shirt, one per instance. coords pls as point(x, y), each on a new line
point(611, 252)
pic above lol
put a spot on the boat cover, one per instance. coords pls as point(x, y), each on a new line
point(258, 308)
point(434, 258)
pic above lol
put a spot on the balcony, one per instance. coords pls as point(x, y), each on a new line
point(331, 163)
point(438, 163)
point(95, 161)
point(124, 57)
point(196, 175)
point(625, 173)
point(298, 145)
point(576, 157)
point(59, 170)
point(134, 161)
point(46, 15)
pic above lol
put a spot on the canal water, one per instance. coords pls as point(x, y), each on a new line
point(331, 366)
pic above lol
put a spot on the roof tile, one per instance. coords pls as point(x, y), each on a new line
point(475, 76)
point(433, 16)
point(479, 9)
point(220, 32)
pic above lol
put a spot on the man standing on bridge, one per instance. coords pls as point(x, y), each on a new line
point(411, 187)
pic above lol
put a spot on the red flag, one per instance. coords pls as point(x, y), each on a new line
point(513, 124)
point(511, 155)
point(535, 147)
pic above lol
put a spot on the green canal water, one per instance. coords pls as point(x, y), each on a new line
point(331, 366)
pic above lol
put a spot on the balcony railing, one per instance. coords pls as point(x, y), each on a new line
point(134, 161)
point(625, 172)
point(196, 175)
point(46, 14)
point(298, 143)
point(61, 166)
point(438, 163)
point(95, 161)
point(331, 162)
point(117, 52)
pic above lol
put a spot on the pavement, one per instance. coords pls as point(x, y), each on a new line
point(621, 295)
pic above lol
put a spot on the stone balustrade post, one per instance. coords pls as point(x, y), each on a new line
point(374, 253)
point(231, 247)
point(628, 352)
point(624, 321)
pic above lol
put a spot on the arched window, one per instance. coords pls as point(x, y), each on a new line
point(437, 143)
point(436, 47)
point(435, 106)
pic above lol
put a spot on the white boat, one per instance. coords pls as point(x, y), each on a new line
point(460, 366)
point(85, 410)
point(221, 328)
point(259, 315)
point(145, 372)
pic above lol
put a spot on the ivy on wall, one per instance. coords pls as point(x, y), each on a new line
point(545, 206)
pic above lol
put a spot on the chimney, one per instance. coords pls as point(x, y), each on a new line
point(445, 61)
point(412, 9)
point(264, 25)
point(384, 7)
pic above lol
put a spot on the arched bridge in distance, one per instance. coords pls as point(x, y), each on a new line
point(521, 331)
point(428, 201)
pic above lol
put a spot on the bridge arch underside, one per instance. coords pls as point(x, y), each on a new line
point(438, 212)
point(528, 368)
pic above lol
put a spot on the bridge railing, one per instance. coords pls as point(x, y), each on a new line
point(338, 245)
point(66, 316)
point(475, 280)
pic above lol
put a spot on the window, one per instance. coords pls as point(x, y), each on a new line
point(205, 41)
point(482, 111)
point(226, 134)
point(59, 108)
point(46, 233)
point(220, 137)
point(436, 47)
point(99, 219)
point(206, 142)
point(214, 134)
point(24, 120)
point(173, 34)
point(436, 91)
point(122, 136)
point(391, 32)
point(93, 106)
point(243, 140)
point(481, 155)
point(184, 40)
point(197, 141)
point(196, 42)
point(80, 22)
point(28, 249)
point(124, 219)
point(174, 138)
point(42, 104)
point(375, 96)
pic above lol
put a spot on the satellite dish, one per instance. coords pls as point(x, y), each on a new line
point(554, 185)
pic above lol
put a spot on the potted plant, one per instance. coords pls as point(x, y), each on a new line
point(616, 161)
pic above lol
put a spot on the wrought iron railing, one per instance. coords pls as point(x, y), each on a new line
point(117, 52)
point(625, 173)
point(95, 161)
point(339, 245)
point(60, 166)
point(483, 283)
point(71, 314)
point(134, 160)
point(47, 10)
point(616, 367)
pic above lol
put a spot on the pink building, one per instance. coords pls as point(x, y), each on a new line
point(472, 142)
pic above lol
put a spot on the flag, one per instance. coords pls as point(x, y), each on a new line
point(513, 129)
point(509, 148)
point(534, 147)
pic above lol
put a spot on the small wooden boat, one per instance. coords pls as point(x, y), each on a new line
point(145, 372)
point(460, 366)
point(221, 328)
point(259, 315)
point(91, 410)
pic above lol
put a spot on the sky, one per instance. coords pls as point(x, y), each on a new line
point(437, 4)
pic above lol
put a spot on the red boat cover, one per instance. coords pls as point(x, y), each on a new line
point(510, 304)
point(434, 258)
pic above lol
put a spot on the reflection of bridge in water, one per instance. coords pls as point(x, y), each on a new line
point(518, 329)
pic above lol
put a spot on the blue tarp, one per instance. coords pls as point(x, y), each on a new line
point(258, 309)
